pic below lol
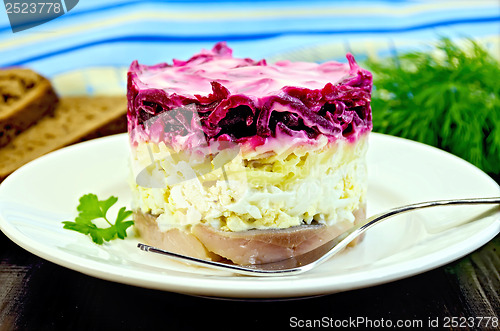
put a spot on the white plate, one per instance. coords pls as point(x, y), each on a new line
point(39, 196)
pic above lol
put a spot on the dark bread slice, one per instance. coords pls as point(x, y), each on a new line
point(25, 98)
point(75, 119)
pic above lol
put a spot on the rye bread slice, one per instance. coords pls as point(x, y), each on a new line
point(75, 119)
point(25, 98)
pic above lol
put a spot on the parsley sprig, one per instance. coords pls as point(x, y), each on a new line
point(448, 97)
point(90, 209)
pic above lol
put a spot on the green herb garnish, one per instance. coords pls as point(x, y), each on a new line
point(90, 209)
point(448, 97)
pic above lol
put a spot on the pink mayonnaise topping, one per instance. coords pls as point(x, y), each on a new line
point(246, 101)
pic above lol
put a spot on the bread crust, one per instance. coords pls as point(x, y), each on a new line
point(25, 98)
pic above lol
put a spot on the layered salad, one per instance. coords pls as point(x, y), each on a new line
point(243, 160)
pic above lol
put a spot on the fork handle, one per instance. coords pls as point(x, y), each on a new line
point(377, 218)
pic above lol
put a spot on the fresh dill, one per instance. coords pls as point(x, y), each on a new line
point(448, 97)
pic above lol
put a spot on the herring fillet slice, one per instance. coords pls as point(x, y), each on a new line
point(245, 247)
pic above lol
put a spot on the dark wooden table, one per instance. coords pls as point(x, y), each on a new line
point(39, 295)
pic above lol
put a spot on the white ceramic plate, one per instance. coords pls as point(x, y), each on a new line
point(39, 196)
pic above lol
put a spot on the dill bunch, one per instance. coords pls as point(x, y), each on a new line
point(448, 97)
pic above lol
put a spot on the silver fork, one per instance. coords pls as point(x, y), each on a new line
point(312, 259)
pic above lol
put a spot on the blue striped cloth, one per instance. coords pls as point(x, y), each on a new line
point(99, 33)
